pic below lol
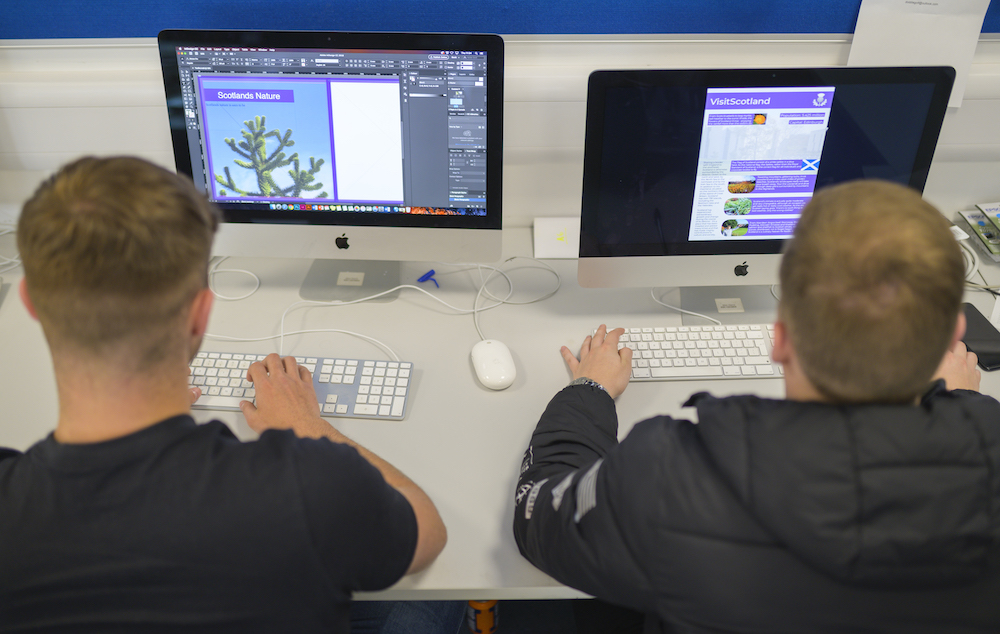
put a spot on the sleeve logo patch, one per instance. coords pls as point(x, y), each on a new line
point(530, 505)
point(522, 491)
point(586, 492)
point(559, 490)
point(529, 459)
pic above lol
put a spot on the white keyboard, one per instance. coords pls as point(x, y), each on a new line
point(346, 388)
point(677, 353)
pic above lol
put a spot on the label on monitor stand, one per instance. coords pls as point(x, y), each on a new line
point(350, 278)
point(729, 304)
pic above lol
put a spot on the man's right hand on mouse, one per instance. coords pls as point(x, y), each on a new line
point(600, 360)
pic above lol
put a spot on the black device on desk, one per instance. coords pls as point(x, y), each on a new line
point(981, 337)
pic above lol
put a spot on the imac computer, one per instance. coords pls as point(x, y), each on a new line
point(695, 178)
point(357, 150)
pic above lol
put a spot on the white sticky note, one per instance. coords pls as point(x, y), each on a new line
point(920, 33)
point(557, 237)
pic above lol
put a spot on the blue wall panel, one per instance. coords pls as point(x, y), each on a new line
point(37, 19)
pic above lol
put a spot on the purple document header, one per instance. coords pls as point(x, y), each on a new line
point(817, 98)
point(246, 94)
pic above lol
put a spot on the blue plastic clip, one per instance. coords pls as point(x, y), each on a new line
point(429, 275)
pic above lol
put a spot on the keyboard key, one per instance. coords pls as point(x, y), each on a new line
point(661, 373)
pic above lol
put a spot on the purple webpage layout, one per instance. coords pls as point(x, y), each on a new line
point(758, 160)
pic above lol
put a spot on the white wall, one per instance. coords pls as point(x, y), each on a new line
point(60, 99)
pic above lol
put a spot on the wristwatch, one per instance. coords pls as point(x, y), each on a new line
point(585, 381)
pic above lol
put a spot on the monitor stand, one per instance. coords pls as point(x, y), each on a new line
point(349, 280)
point(756, 305)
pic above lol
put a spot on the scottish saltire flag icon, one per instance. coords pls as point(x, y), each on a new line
point(809, 165)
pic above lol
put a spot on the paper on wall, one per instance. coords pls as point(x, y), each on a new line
point(920, 33)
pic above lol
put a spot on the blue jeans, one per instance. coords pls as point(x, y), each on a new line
point(407, 617)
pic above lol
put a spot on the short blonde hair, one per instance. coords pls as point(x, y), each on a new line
point(114, 250)
point(871, 288)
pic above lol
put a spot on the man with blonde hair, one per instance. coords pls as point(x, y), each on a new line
point(130, 517)
point(865, 501)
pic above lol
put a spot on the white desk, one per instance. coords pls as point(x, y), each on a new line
point(461, 442)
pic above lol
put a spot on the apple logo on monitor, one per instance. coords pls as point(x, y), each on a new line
point(741, 269)
point(342, 243)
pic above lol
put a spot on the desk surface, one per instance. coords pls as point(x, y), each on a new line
point(460, 441)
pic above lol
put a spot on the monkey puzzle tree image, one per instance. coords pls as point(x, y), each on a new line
point(253, 149)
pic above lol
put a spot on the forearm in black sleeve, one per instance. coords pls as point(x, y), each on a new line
point(579, 426)
point(565, 520)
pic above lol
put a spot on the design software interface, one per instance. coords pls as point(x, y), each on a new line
point(338, 130)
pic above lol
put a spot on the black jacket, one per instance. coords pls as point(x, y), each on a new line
point(773, 516)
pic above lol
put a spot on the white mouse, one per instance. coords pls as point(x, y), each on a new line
point(493, 363)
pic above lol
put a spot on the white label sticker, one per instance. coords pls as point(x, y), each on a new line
point(729, 305)
point(349, 278)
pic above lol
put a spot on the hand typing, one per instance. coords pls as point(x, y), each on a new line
point(285, 397)
point(601, 360)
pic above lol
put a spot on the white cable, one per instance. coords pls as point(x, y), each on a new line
point(6, 264)
point(378, 343)
point(506, 299)
point(482, 288)
point(306, 302)
point(971, 260)
point(681, 310)
point(475, 310)
point(972, 269)
point(215, 269)
point(281, 329)
point(530, 301)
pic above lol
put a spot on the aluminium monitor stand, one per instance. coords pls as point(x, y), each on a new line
point(349, 280)
point(736, 305)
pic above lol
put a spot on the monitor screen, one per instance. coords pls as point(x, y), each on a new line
point(365, 146)
point(697, 177)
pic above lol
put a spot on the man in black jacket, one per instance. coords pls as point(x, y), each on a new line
point(869, 500)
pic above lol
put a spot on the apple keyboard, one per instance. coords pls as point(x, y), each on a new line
point(346, 388)
point(677, 353)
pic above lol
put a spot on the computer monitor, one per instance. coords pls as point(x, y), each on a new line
point(695, 178)
point(359, 150)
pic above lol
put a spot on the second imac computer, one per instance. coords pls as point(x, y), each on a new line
point(358, 150)
point(695, 178)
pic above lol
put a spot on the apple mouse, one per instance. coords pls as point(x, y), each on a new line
point(493, 364)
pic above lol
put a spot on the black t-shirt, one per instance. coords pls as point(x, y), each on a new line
point(183, 526)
